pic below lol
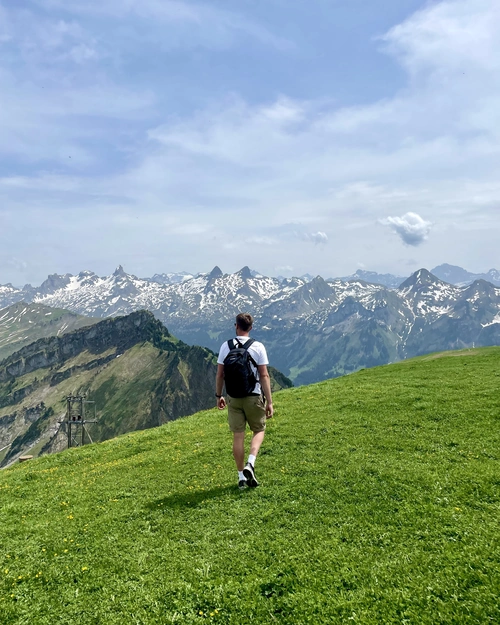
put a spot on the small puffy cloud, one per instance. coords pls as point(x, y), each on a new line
point(318, 238)
point(411, 228)
point(293, 232)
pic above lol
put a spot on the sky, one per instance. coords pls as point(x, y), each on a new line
point(294, 137)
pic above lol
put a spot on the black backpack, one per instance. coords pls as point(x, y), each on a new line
point(238, 374)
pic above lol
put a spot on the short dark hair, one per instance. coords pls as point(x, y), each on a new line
point(244, 321)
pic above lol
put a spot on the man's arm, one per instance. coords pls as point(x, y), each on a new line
point(265, 382)
point(219, 385)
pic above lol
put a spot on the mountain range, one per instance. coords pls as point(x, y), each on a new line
point(448, 273)
point(313, 328)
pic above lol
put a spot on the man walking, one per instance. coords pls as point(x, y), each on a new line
point(249, 408)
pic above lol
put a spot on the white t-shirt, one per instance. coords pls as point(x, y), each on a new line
point(256, 350)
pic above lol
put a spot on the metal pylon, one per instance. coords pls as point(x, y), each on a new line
point(76, 422)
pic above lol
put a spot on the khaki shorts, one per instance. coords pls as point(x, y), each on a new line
point(241, 411)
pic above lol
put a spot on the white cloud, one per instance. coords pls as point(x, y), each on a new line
point(265, 132)
point(286, 233)
point(318, 238)
point(411, 228)
point(452, 36)
point(45, 42)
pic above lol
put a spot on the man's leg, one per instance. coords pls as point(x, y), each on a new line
point(257, 439)
point(239, 449)
point(249, 471)
point(255, 413)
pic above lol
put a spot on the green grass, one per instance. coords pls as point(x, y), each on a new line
point(379, 504)
point(22, 324)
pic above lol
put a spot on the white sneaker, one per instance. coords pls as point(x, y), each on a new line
point(249, 473)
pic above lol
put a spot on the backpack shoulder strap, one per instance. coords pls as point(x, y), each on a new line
point(232, 343)
point(247, 344)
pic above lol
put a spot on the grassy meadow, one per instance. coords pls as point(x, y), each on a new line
point(379, 503)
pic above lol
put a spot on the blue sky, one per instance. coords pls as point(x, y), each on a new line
point(292, 137)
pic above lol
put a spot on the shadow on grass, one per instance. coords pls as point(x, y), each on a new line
point(195, 498)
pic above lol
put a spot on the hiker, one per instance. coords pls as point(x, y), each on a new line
point(242, 367)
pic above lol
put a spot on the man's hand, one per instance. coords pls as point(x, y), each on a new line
point(265, 383)
point(221, 403)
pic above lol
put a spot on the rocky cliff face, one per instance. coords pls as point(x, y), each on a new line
point(117, 333)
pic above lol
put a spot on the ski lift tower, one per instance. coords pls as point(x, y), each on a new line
point(76, 421)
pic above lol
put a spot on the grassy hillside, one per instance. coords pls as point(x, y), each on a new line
point(379, 503)
point(21, 324)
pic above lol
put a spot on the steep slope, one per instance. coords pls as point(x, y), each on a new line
point(457, 318)
point(135, 371)
point(22, 324)
point(378, 504)
point(428, 297)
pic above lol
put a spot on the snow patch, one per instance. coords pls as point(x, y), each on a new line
point(495, 320)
